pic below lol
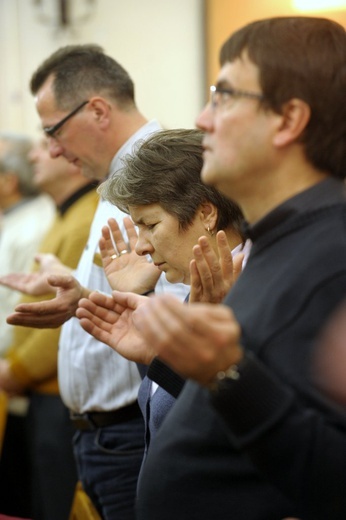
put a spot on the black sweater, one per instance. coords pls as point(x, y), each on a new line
point(269, 445)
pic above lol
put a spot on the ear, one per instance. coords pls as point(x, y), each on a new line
point(101, 110)
point(294, 119)
point(208, 213)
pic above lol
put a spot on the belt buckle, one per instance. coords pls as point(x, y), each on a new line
point(82, 421)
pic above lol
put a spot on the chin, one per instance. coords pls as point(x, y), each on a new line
point(175, 277)
point(92, 173)
point(207, 175)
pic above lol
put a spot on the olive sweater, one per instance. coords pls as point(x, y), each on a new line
point(33, 353)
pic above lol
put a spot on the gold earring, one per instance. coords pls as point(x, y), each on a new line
point(211, 232)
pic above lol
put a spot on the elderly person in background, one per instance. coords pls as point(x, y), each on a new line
point(26, 216)
point(30, 365)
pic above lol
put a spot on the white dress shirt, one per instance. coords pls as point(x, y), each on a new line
point(92, 376)
point(21, 231)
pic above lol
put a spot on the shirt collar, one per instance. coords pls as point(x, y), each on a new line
point(326, 193)
point(143, 133)
point(62, 208)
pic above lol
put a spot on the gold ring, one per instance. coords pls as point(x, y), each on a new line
point(123, 252)
point(113, 257)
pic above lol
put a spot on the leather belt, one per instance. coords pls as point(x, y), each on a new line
point(94, 420)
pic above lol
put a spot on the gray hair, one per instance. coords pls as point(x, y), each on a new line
point(165, 169)
point(14, 159)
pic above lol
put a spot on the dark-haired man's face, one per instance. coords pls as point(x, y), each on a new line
point(237, 141)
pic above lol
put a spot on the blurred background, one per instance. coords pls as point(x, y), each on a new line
point(170, 47)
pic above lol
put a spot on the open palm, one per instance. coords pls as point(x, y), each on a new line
point(125, 270)
point(109, 320)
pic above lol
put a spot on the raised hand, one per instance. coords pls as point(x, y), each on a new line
point(197, 340)
point(212, 275)
point(51, 313)
point(109, 320)
point(125, 270)
point(36, 284)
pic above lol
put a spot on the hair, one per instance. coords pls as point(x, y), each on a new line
point(165, 169)
point(81, 71)
point(14, 159)
point(305, 58)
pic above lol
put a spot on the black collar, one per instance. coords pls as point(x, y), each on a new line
point(75, 196)
point(326, 193)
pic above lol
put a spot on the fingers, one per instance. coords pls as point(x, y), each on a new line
point(37, 318)
point(14, 280)
point(129, 300)
point(196, 341)
point(206, 263)
point(131, 232)
point(211, 274)
point(159, 324)
point(195, 283)
point(118, 302)
point(101, 300)
point(62, 280)
point(98, 317)
point(56, 306)
point(41, 309)
point(106, 246)
point(99, 305)
point(118, 238)
point(96, 328)
point(225, 255)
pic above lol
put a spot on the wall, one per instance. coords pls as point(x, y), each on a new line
point(170, 48)
point(225, 16)
point(160, 43)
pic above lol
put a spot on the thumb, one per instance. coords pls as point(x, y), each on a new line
point(61, 280)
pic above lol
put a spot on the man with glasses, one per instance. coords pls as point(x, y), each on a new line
point(51, 131)
point(86, 103)
point(255, 436)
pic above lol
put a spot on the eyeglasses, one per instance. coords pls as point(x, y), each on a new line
point(51, 130)
point(220, 96)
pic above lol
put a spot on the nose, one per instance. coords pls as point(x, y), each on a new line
point(55, 149)
point(205, 119)
point(143, 246)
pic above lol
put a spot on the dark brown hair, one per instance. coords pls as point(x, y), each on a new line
point(81, 71)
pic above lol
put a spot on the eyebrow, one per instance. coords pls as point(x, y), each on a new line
point(224, 83)
point(138, 222)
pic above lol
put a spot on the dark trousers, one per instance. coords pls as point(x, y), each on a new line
point(108, 461)
point(53, 467)
point(15, 469)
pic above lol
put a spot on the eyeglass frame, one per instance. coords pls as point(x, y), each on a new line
point(51, 130)
point(233, 92)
